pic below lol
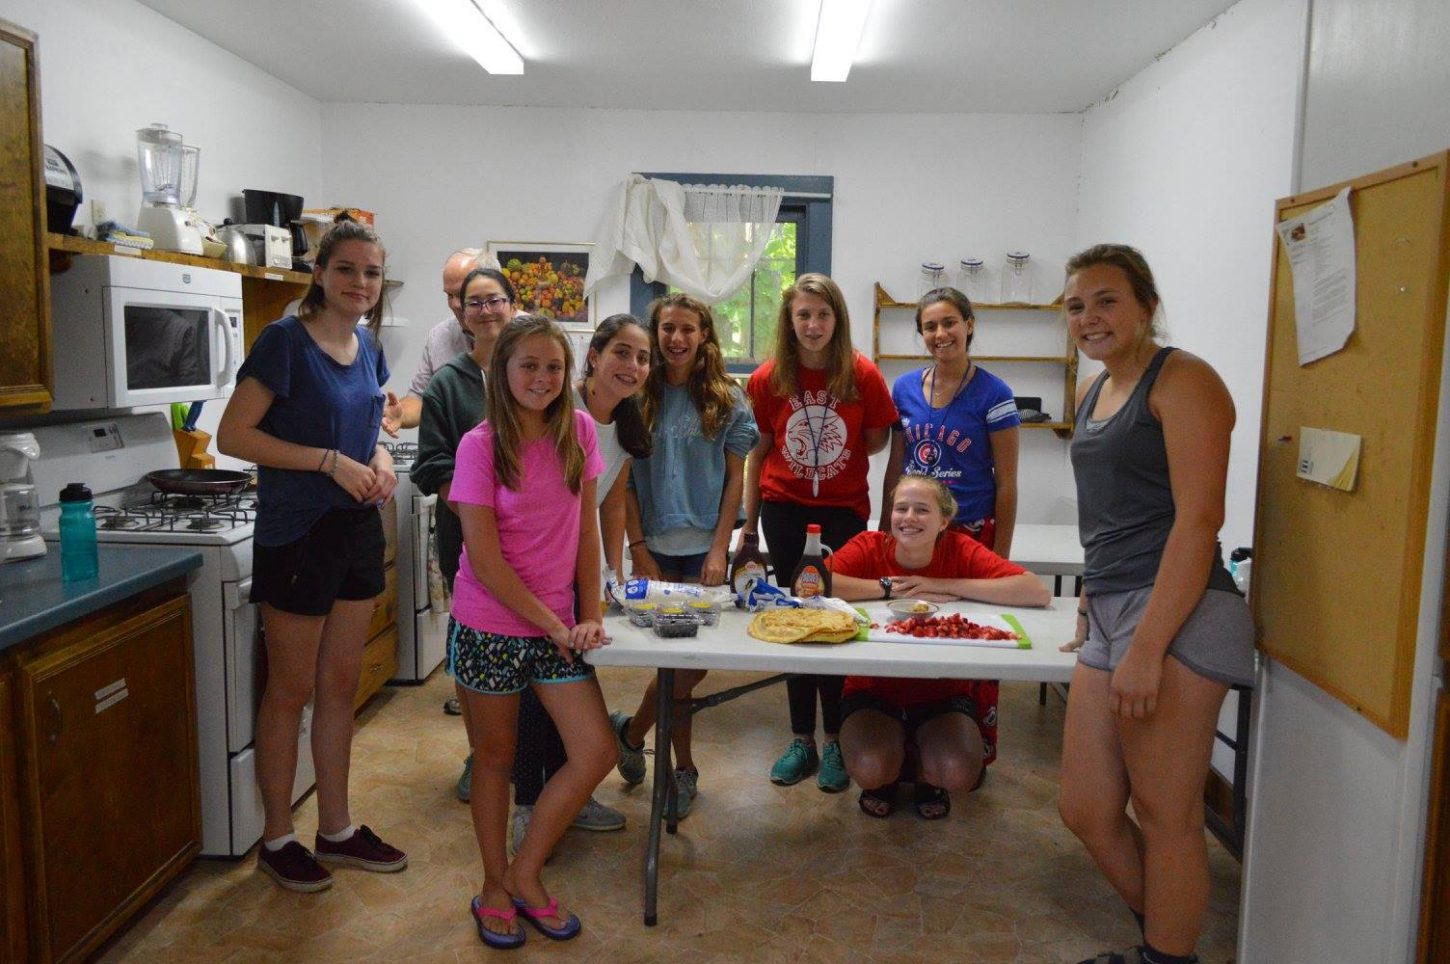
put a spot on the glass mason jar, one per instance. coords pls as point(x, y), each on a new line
point(1017, 279)
point(973, 280)
point(933, 275)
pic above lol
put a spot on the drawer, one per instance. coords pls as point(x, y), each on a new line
point(385, 606)
point(379, 664)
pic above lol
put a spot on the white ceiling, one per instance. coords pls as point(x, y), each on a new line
point(917, 56)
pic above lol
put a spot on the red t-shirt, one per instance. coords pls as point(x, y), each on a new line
point(819, 453)
point(871, 555)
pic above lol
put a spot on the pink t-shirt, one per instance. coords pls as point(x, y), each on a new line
point(538, 526)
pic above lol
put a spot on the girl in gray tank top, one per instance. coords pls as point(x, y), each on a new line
point(1159, 643)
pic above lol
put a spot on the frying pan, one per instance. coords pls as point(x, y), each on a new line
point(199, 481)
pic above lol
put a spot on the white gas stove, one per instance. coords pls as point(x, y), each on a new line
point(112, 456)
point(422, 610)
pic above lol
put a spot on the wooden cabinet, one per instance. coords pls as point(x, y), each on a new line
point(110, 807)
point(24, 284)
point(12, 876)
point(1027, 346)
point(380, 655)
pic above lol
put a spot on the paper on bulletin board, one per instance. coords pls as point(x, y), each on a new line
point(1320, 245)
point(1329, 458)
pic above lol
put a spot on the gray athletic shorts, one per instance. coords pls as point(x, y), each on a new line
point(1217, 639)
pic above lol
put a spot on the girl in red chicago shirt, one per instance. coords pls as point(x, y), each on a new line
point(952, 723)
point(823, 409)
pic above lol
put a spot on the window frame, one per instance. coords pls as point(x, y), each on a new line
point(808, 202)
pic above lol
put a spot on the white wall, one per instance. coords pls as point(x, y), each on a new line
point(909, 188)
point(109, 68)
point(1184, 162)
point(1336, 846)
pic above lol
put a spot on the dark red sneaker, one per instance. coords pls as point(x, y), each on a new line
point(363, 849)
point(294, 868)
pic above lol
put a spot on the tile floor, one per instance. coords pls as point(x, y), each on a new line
point(757, 872)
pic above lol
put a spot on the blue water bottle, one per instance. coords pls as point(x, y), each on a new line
point(79, 559)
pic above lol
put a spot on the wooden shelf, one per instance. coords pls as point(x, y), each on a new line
point(75, 244)
point(884, 300)
point(1047, 359)
point(1067, 361)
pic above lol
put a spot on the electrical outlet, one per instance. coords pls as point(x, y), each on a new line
point(98, 211)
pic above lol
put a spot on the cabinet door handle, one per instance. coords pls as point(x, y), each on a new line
point(53, 737)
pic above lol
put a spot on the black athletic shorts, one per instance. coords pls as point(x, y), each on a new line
point(912, 716)
point(341, 557)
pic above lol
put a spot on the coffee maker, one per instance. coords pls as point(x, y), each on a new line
point(19, 504)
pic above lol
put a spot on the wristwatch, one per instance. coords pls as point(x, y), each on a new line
point(885, 587)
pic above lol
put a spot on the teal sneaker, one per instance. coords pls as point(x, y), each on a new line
point(687, 787)
point(631, 758)
point(797, 762)
point(832, 776)
point(465, 781)
point(596, 816)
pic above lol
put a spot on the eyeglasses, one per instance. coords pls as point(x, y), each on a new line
point(474, 305)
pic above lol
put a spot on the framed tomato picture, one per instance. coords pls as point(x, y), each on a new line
point(548, 278)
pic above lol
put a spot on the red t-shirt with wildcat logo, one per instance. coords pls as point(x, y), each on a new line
point(818, 455)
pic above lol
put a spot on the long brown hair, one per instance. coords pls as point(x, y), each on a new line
point(712, 390)
point(630, 427)
point(503, 416)
point(841, 369)
point(315, 298)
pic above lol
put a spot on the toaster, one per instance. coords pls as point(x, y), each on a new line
point(273, 245)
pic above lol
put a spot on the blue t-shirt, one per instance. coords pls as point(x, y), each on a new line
point(321, 403)
point(680, 484)
point(951, 443)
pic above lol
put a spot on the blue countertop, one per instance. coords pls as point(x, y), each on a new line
point(33, 599)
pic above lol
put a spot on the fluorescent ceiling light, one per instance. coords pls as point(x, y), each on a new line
point(474, 34)
point(838, 33)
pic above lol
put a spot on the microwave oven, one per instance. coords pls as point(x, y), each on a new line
point(131, 332)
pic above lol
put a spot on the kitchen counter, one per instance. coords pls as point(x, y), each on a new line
point(33, 599)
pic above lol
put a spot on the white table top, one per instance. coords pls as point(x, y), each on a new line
point(1047, 550)
point(729, 646)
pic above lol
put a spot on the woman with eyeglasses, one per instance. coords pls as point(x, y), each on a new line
point(453, 403)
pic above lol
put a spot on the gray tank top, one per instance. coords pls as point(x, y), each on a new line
point(1124, 500)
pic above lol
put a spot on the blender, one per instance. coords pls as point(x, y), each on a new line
point(19, 505)
point(159, 154)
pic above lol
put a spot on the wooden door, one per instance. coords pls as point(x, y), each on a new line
point(12, 873)
point(108, 737)
point(24, 277)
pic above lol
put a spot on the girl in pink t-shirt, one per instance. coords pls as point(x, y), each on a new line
point(524, 490)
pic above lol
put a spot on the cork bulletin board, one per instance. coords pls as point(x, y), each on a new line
point(1336, 593)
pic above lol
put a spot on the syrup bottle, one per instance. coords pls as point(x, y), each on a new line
point(812, 578)
point(749, 561)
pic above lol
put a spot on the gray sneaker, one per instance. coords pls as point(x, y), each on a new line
point(687, 788)
point(631, 759)
point(596, 816)
point(465, 780)
point(518, 826)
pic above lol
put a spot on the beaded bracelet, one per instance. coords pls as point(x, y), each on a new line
point(332, 470)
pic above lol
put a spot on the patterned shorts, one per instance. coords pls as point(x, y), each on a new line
point(496, 664)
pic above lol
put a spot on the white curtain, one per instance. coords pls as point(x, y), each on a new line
point(704, 239)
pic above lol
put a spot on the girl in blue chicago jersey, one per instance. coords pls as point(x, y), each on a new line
point(958, 424)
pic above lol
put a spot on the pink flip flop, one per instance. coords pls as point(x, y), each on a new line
point(502, 942)
point(571, 927)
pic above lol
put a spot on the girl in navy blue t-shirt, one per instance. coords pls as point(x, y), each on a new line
point(307, 409)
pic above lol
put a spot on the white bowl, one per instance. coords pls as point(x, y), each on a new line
point(912, 608)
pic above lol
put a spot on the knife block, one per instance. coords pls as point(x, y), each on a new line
point(191, 449)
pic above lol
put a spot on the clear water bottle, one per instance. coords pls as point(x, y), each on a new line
point(79, 559)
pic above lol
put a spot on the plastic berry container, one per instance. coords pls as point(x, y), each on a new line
point(672, 626)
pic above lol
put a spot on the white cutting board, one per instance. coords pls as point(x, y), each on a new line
point(880, 615)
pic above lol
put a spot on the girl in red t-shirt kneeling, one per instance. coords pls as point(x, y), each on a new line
point(950, 724)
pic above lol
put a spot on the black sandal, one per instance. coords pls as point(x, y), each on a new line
point(879, 803)
point(932, 803)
